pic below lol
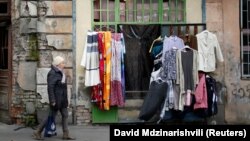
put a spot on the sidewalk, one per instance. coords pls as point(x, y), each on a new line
point(82, 133)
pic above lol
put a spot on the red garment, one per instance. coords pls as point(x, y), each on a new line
point(201, 93)
point(101, 65)
point(96, 96)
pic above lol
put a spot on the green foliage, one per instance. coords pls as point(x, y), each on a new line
point(33, 47)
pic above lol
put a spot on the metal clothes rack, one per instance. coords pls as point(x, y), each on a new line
point(169, 29)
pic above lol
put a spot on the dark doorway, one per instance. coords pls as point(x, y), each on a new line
point(5, 62)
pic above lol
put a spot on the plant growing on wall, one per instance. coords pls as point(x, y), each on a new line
point(33, 47)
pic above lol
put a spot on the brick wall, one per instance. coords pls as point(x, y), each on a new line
point(83, 115)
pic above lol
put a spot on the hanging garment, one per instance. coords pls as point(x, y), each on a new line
point(97, 91)
point(168, 102)
point(189, 115)
point(172, 42)
point(156, 54)
point(96, 96)
point(153, 100)
point(123, 66)
point(156, 41)
point(187, 74)
point(116, 96)
point(107, 75)
point(208, 48)
point(211, 95)
point(156, 49)
point(156, 75)
point(201, 93)
point(169, 65)
point(90, 59)
point(187, 66)
point(101, 50)
point(139, 65)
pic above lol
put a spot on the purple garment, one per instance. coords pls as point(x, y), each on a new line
point(173, 42)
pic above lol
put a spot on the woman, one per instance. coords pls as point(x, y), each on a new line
point(57, 92)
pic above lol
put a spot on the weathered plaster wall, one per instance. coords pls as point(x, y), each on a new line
point(234, 98)
point(194, 11)
point(83, 24)
point(41, 30)
point(214, 21)
point(238, 97)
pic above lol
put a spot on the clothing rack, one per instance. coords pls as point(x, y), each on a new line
point(169, 29)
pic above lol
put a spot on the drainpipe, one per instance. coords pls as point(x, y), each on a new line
point(203, 5)
point(74, 59)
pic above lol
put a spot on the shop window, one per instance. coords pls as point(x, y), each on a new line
point(245, 38)
point(107, 14)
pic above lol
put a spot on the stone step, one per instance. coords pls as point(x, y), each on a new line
point(130, 112)
point(128, 115)
point(133, 103)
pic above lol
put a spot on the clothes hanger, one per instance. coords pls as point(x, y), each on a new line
point(124, 32)
point(185, 48)
point(159, 54)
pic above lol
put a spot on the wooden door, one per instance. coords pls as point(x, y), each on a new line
point(5, 72)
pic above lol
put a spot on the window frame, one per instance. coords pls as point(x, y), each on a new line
point(244, 32)
point(117, 21)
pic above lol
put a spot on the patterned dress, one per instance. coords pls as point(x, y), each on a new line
point(116, 97)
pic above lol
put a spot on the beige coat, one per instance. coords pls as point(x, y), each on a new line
point(208, 48)
point(180, 76)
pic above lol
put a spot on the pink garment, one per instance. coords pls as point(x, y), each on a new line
point(116, 96)
point(188, 98)
point(201, 93)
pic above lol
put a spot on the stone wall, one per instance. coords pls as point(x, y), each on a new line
point(41, 30)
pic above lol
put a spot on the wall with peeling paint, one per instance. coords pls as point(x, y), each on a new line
point(237, 108)
point(83, 24)
point(41, 30)
point(234, 97)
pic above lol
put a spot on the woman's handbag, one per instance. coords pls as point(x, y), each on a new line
point(50, 127)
